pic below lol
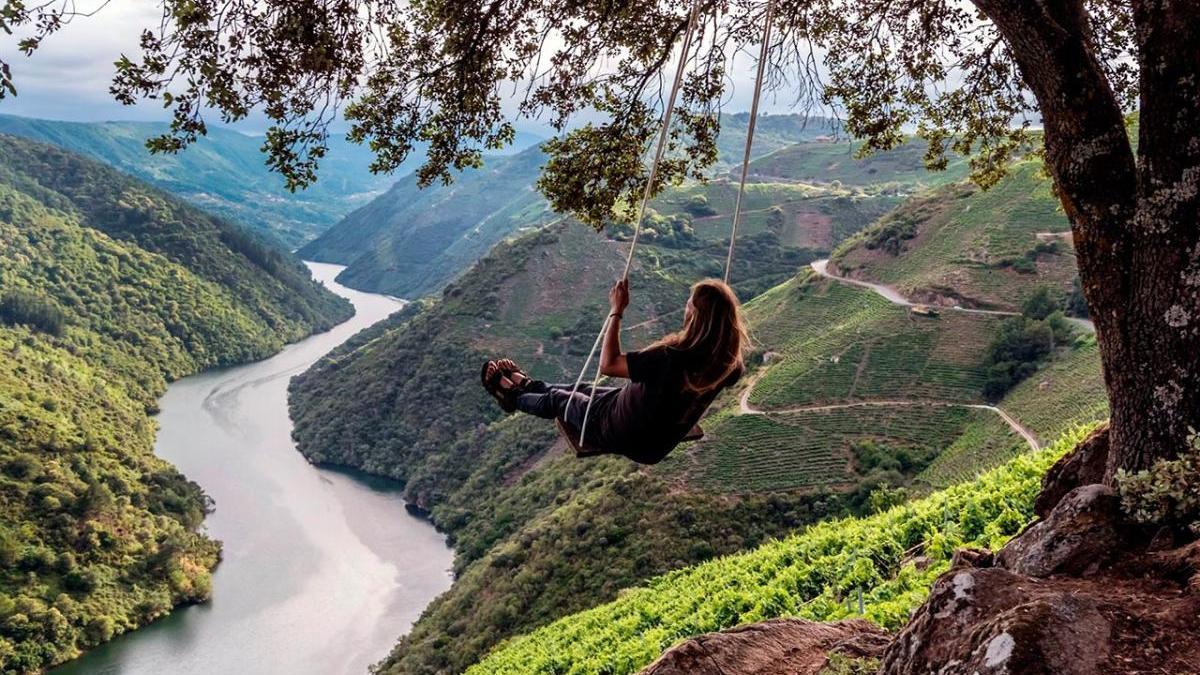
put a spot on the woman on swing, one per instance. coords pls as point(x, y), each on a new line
point(671, 382)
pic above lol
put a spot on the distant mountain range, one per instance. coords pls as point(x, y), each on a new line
point(224, 172)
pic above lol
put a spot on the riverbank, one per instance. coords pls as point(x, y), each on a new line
point(322, 569)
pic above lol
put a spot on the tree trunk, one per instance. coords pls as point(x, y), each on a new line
point(1135, 224)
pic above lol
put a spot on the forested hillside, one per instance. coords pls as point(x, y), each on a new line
point(223, 173)
point(410, 241)
point(108, 290)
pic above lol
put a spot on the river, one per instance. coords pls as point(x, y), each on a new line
point(322, 569)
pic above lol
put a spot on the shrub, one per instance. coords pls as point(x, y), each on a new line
point(1168, 494)
point(891, 233)
point(698, 206)
point(1040, 304)
point(1015, 353)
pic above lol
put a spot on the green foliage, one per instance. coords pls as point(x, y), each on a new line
point(806, 575)
point(33, 310)
point(98, 535)
point(1015, 353)
point(698, 206)
point(1168, 493)
point(891, 232)
point(1040, 304)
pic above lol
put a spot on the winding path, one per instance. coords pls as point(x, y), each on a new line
point(746, 409)
point(893, 296)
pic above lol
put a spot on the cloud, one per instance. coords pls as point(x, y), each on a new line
point(69, 75)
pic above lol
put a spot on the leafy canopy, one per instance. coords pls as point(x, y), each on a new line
point(441, 72)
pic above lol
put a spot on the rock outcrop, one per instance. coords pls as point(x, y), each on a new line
point(776, 647)
point(1084, 465)
point(1077, 593)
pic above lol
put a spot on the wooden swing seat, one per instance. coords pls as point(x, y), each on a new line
point(571, 435)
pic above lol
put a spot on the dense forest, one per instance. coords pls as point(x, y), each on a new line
point(108, 290)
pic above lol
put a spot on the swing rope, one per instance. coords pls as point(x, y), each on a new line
point(637, 227)
point(658, 154)
point(758, 81)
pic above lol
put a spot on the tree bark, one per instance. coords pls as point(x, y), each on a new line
point(1134, 223)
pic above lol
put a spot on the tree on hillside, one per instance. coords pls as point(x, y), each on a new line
point(970, 76)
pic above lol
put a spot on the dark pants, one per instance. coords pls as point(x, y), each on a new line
point(551, 401)
point(554, 401)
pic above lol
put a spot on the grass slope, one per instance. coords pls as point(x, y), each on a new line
point(963, 245)
point(900, 168)
point(109, 289)
point(809, 575)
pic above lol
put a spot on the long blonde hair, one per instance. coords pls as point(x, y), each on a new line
point(713, 333)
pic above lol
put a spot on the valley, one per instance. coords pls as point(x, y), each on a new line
point(908, 298)
point(855, 402)
point(319, 568)
point(858, 400)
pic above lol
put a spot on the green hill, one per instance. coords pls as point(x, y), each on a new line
point(892, 557)
point(109, 289)
point(502, 489)
point(410, 241)
point(852, 403)
point(962, 245)
point(825, 161)
point(223, 173)
point(771, 133)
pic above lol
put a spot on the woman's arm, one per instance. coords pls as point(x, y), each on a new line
point(612, 359)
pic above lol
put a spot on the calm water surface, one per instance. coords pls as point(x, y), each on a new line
point(322, 570)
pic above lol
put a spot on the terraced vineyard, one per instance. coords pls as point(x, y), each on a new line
point(801, 215)
point(828, 162)
point(807, 449)
point(1068, 392)
point(830, 342)
point(985, 443)
point(976, 247)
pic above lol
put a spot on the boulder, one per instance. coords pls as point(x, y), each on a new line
point(1081, 534)
point(1084, 465)
point(992, 621)
point(775, 647)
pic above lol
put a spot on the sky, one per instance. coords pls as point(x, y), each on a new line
point(69, 75)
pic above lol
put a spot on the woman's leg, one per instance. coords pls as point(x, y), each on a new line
point(554, 401)
point(549, 401)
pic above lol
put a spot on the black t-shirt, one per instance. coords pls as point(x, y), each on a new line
point(656, 409)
